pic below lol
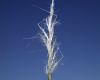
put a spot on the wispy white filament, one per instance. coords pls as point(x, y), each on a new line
point(49, 39)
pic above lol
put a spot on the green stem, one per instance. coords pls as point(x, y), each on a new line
point(49, 76)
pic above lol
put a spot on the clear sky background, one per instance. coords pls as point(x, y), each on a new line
point(78, 35)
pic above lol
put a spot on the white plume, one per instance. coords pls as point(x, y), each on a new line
point(49, 40)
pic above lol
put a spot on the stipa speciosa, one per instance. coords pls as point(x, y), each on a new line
point(47, 27)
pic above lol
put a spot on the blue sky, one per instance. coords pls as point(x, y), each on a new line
point(78, 35)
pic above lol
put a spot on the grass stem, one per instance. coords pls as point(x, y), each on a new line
point(49, 76)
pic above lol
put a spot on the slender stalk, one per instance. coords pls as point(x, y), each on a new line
point(49, 76)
